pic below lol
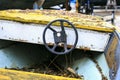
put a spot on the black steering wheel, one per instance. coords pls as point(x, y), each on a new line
point(60, 37)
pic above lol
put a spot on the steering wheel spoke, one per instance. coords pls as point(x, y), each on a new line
point(62, 25)
point(54, 47)
point(65, 47)
point(52, 29)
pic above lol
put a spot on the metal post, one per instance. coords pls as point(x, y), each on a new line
point(111, 4)
point(67, 5)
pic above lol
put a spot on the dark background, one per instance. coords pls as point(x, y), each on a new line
point(28, 4)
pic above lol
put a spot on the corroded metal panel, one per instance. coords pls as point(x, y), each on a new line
point(33, 33)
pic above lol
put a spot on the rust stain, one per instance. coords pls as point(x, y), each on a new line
point(20, 40)
point(69, 46)
point(50, 44)
point(38, 42)
point(84, 48)
point(60, 45)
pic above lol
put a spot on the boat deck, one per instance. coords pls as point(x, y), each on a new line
point(46, 16)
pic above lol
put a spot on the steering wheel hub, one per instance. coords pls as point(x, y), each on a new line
point(58, 34)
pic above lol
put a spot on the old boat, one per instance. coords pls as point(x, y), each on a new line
point(84, 45)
